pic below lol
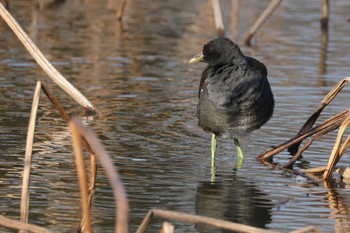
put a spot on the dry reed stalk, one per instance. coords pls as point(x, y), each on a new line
point(15, 224)
point(93, 173)
point(40, 58)
point(122, 207)
point(91, 191)
point(63, 113)
point(66, 117)
point(56, 104)
point(306, 130)
point(194, 219)
point(312, 119)
point(318, 135)
point(324, 13)
point(120, 9)
point(336, 155)
point(345, 145)
point(262, 18)
point(28, 156)
point(219, 25)
point(331, 122)
point(79, 159)
point(314, 169)
point(145, 222)
point(93, 167)
point(234, 19)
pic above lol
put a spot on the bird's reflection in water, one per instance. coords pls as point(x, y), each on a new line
point(234, 200)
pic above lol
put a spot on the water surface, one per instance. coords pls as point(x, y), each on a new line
point(137, 75)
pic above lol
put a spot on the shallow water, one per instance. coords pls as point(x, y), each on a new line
point(137, 75)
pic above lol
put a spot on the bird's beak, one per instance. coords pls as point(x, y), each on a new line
point(199, 57)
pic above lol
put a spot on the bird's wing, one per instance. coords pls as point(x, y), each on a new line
point(224, 86)
point(233, 87)
point(204, 76)
point(256, 65)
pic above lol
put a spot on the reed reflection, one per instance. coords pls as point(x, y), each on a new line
point(339, 203)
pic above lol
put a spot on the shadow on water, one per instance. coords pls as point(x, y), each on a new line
point(234, 199)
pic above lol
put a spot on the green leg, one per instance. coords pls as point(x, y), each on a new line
point(239, 153)
point(239, 149)
point(213, 152)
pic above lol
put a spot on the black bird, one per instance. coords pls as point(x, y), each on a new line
point(235, 96)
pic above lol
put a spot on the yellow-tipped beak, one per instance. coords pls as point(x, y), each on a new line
point(199, 57)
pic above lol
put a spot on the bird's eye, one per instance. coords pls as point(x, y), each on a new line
point(210, 49)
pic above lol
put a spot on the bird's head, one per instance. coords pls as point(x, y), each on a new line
point(218, 52)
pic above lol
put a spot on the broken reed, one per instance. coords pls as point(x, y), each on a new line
point(28, 156)
point(340, 120)
point(81, 137)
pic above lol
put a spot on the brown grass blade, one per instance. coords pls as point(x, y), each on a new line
point(122, 207)
point(79, 159)
point(28, 156)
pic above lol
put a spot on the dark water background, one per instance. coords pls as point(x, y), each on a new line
point(137, 75)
